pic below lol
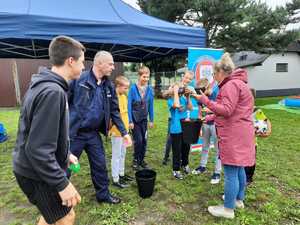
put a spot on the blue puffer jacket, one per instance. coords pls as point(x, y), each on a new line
point(81, 97)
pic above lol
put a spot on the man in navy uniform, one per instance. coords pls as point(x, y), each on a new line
point(93, 102)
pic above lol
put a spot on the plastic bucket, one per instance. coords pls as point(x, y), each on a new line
point(191, 130)
point(145, 180)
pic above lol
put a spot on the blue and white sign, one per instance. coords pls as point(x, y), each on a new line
point(201, 61)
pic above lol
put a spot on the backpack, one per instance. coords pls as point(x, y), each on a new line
point(3, 134)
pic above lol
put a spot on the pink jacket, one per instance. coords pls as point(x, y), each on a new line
point(233, 109)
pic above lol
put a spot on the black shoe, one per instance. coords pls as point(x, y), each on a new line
point(110, 200)
point(144, 165)
point(165, 161)
point(126, 178)
point(135, 164)
point(120, 184)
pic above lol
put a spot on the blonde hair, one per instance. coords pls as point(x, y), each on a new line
point(226, 64)
point(202, 83)
point(189, 72)
point(143, 69)
point(121, 80)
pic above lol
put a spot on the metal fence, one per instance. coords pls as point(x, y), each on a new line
point(167, 78)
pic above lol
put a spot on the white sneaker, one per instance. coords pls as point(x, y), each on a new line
point(221, 211)
point(238, 203)
point(177, 175)
point(186, 169)
point(215, 178)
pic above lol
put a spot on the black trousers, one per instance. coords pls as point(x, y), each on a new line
point(249, 170)
point(168, 142)
point(180, 151)
point(139, 134)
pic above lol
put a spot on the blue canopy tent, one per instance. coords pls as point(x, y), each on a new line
point(27, 26)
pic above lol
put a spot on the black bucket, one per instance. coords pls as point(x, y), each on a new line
point(191, 130)
point(145, 180)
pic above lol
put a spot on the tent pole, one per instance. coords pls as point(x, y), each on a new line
point(16, 82)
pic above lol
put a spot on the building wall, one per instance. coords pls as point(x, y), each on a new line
point(7, 88)
point(25, 69)
point(268, 82)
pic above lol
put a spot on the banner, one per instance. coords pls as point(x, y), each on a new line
point(201, 60)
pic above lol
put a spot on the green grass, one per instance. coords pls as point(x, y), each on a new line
point(274, 198)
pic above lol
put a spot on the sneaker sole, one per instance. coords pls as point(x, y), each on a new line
point(214, 182)
point(212, 212)
point(237, 205)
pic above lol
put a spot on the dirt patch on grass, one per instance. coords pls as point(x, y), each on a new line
point(6, 217)
point(148, 218)
point(284, 189)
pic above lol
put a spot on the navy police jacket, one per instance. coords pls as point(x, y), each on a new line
point(82, 97)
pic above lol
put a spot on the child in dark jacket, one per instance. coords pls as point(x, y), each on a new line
point(140, 105)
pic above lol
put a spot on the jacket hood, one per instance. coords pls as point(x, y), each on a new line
point(47, 75)
point(239, 74)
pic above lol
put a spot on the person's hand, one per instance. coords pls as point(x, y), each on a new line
point(197, 97)
point(175, 89)
point(181, 109)
point(127, 140)
point(187, 92)
point(131, 126)
point(69, 196)
point(151, 124)
point(73, 159)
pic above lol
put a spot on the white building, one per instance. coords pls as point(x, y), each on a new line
point(274, 74)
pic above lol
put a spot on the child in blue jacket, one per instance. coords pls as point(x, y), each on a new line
point(140, 105)
point(178, 105)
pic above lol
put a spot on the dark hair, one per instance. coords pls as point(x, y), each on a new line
point(62, 48)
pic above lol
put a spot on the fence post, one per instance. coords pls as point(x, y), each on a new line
point(16, 82)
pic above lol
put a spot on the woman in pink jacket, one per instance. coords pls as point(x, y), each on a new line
point(233, 109)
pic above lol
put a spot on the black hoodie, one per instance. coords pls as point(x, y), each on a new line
point(42, 146)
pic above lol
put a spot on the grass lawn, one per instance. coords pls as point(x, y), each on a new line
point(274, 198)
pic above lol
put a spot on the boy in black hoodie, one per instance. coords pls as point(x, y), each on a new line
point(41, 155)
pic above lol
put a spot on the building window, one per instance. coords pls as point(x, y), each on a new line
point(281, 67)
point(243, 57)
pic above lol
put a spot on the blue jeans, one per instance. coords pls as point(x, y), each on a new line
point(235, 183)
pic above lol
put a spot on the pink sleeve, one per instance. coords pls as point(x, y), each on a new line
point(228, 101)
point(210, 117)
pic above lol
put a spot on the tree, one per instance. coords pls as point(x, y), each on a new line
point(164, 64)
point(231, 24)
point(293, 9)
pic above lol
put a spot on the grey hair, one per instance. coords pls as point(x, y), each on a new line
point(100, 55)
